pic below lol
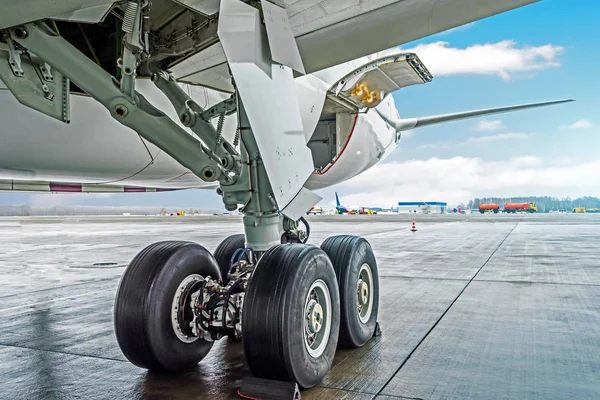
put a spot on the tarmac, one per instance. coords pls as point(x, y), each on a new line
point(472, 307)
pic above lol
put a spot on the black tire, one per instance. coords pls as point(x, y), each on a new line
point(142, 311)
point(348, 254)
point(273, 320)
point(225, 250)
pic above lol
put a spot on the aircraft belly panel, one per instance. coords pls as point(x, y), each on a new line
point(93, 148)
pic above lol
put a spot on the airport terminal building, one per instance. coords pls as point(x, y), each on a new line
point(422, 207)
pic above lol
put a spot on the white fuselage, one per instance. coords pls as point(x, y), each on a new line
point(95, 149)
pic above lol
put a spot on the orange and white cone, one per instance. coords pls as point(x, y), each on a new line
point(414, 227)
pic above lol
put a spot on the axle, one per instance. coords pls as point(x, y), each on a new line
point(218, 309)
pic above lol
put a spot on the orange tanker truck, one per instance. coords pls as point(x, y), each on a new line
point(514, 207)
point(489, 207)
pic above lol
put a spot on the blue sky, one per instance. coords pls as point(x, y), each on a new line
point(553, 151)
point(555, 22)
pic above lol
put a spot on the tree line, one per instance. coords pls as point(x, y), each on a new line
point(544, 203)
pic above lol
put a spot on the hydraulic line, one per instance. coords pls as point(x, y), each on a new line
point(305, 222)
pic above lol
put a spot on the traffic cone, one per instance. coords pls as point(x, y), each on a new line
point(414, 227)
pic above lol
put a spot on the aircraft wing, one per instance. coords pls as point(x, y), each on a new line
point(331, 32)
point(412, 123)
point(328, 32)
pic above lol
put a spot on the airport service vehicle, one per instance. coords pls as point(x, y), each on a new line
point(580, 210)
point(262, 101)
point(315, 211)
point(525, 207)
point(489, 207)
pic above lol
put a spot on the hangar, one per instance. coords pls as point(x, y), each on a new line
point(423, 207)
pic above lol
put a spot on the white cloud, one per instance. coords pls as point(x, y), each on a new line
point(495, 138)
point(488, 125)
point(476, 140)
point(503, 59)
point(459, 179)
point(581, 124)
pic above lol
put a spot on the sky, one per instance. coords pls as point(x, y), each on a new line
point(544, 51)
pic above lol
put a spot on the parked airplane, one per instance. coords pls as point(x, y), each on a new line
point(341, 209)
point(262, 101)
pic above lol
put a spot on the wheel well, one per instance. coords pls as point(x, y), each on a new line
point(329, 137)
point(100, 42)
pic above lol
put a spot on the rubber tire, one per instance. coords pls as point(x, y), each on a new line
point(347, 254)
point(272, 321)
point(225, 250)
point(142, 311)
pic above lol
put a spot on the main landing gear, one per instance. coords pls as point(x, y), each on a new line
point(293, 307)
point(292, 303)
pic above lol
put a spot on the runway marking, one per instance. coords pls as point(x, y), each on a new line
point(446, 311)
point(433, 278)
point(375, 396)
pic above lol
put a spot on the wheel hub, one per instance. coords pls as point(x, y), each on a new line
point(364, 293)
point(317, 321)
point(182, 314)
point(315, 316)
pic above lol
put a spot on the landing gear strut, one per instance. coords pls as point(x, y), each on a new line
point(292, 302)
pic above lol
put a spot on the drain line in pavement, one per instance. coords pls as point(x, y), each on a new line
point(446, 311)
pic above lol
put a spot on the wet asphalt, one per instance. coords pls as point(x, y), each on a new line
point(472, 307)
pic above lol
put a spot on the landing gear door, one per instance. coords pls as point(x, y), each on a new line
point(367, 86)
point(268, 93)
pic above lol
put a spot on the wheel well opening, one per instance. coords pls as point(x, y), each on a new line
point(330, 137)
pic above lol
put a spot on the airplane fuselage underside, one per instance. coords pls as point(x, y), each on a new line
point(97, 152)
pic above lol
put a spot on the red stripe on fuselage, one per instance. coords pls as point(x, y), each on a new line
point(132, 189)
point(61, 187)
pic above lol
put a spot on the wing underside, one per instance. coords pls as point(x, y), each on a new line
point(328, 32)
point(332, 32)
